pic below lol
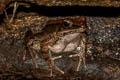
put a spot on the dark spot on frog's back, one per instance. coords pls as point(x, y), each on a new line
point(3, 4)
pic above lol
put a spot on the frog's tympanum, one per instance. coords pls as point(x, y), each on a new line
point(67, 37)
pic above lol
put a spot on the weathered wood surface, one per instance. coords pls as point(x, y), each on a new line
point(103, 48)
point(103, 55)
point(100, 3)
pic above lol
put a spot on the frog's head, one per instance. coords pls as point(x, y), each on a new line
point(74, 25)
point(75, 22)
point(61, 24)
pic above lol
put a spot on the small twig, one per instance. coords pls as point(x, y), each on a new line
point(6, 15)
point(14, 10)
point(24, 54)
point(10, 72)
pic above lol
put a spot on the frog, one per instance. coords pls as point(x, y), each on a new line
point(72, 39)
point(68, 37)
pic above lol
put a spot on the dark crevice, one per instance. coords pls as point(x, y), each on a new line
point(66, 11)
point(70, 10)
point(73, 11)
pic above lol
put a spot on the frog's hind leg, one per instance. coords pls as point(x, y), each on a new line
point(33, 59)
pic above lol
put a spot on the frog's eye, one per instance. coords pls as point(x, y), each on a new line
point(67, 23)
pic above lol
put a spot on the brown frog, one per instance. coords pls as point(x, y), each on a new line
point(67, 40)
point(68, 37)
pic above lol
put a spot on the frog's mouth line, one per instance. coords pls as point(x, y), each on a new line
point(71, 31)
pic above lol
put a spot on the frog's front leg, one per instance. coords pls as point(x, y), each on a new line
point(82, 51)
point(52, 65)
